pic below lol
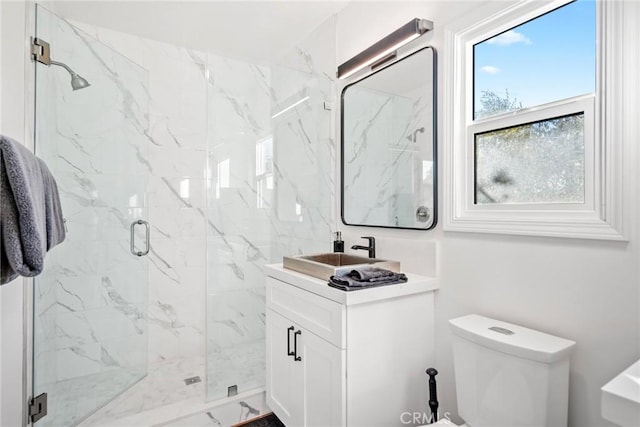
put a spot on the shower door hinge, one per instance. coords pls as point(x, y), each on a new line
point(40, 51)
point(38, 407)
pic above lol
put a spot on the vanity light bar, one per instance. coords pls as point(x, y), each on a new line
point(403, 35)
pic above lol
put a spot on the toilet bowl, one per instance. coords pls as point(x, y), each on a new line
point(508, 375)
point(446, 422)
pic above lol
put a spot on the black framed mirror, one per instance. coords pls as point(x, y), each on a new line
point(389, 145)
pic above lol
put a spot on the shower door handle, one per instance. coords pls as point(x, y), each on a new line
point(133, 237)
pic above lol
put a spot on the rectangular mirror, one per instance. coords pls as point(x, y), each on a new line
point(388, 131)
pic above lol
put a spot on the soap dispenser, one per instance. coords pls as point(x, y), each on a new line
point(338, 244)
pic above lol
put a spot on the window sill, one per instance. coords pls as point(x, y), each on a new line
point(548, 227)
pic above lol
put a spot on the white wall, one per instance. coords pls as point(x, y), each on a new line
point(254, 30)
point(13, 57)
point(587, 291)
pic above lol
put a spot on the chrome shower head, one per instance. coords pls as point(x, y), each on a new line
point(413, 137)
point(77, 81)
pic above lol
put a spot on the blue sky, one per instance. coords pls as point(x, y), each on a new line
point(544, 60)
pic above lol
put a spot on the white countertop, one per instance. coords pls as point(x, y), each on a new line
point(415, 284)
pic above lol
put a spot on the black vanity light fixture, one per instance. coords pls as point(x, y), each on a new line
point(385, 47)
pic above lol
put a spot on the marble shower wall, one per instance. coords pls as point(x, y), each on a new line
point(270, 192)
point(238, 231)
point(305, 149)
point(176, 144)
point(90, 303)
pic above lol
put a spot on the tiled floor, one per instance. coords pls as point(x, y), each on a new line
point(242, 364)
point(70, 400)
point(163, 386)
point(163, 398)
point(227, 413)
point(163, 395)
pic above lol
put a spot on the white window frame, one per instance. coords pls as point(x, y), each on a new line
point(601, 215)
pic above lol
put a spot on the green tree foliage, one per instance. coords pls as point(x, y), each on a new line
point(492, 103)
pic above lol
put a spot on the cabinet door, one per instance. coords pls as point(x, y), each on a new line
point(284, 375)
point(324, 381)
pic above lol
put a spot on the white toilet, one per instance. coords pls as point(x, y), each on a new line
point(507, 375)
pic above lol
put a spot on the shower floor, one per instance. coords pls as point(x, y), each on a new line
point(163, 396)
point(80, 395)
point(243, 364)
point(164, 385)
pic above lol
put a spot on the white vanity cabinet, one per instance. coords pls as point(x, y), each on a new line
point(310, 376)
point(338, 358)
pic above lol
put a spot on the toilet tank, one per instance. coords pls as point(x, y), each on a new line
point(509, 376)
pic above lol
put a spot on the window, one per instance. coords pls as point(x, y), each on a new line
point(539, 162)
point(548, 58)
point(264, 172)
point(223, 177)
point(525, 136)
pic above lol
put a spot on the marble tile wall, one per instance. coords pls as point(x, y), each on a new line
point(91, 300)
point(270, 192)
point(176, 143)
point(238, 231)
point(305, 150)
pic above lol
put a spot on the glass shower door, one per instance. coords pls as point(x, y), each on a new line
point(90, 303)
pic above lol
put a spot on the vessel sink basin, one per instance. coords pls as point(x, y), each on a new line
point(323, 266)
point(621, 397)
point(337, 259)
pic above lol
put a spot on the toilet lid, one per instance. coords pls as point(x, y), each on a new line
point(511, 339)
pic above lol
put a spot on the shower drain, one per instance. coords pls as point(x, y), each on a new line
point(192, 380)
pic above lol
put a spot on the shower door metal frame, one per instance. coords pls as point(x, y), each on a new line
point(28, 283)
point(21, 329)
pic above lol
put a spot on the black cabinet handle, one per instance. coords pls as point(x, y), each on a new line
point(289, 352)
point(295, 346)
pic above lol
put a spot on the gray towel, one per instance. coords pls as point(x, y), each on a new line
point(348, 284)
point(31, 221)
point(366, 277)
point(372, 274)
